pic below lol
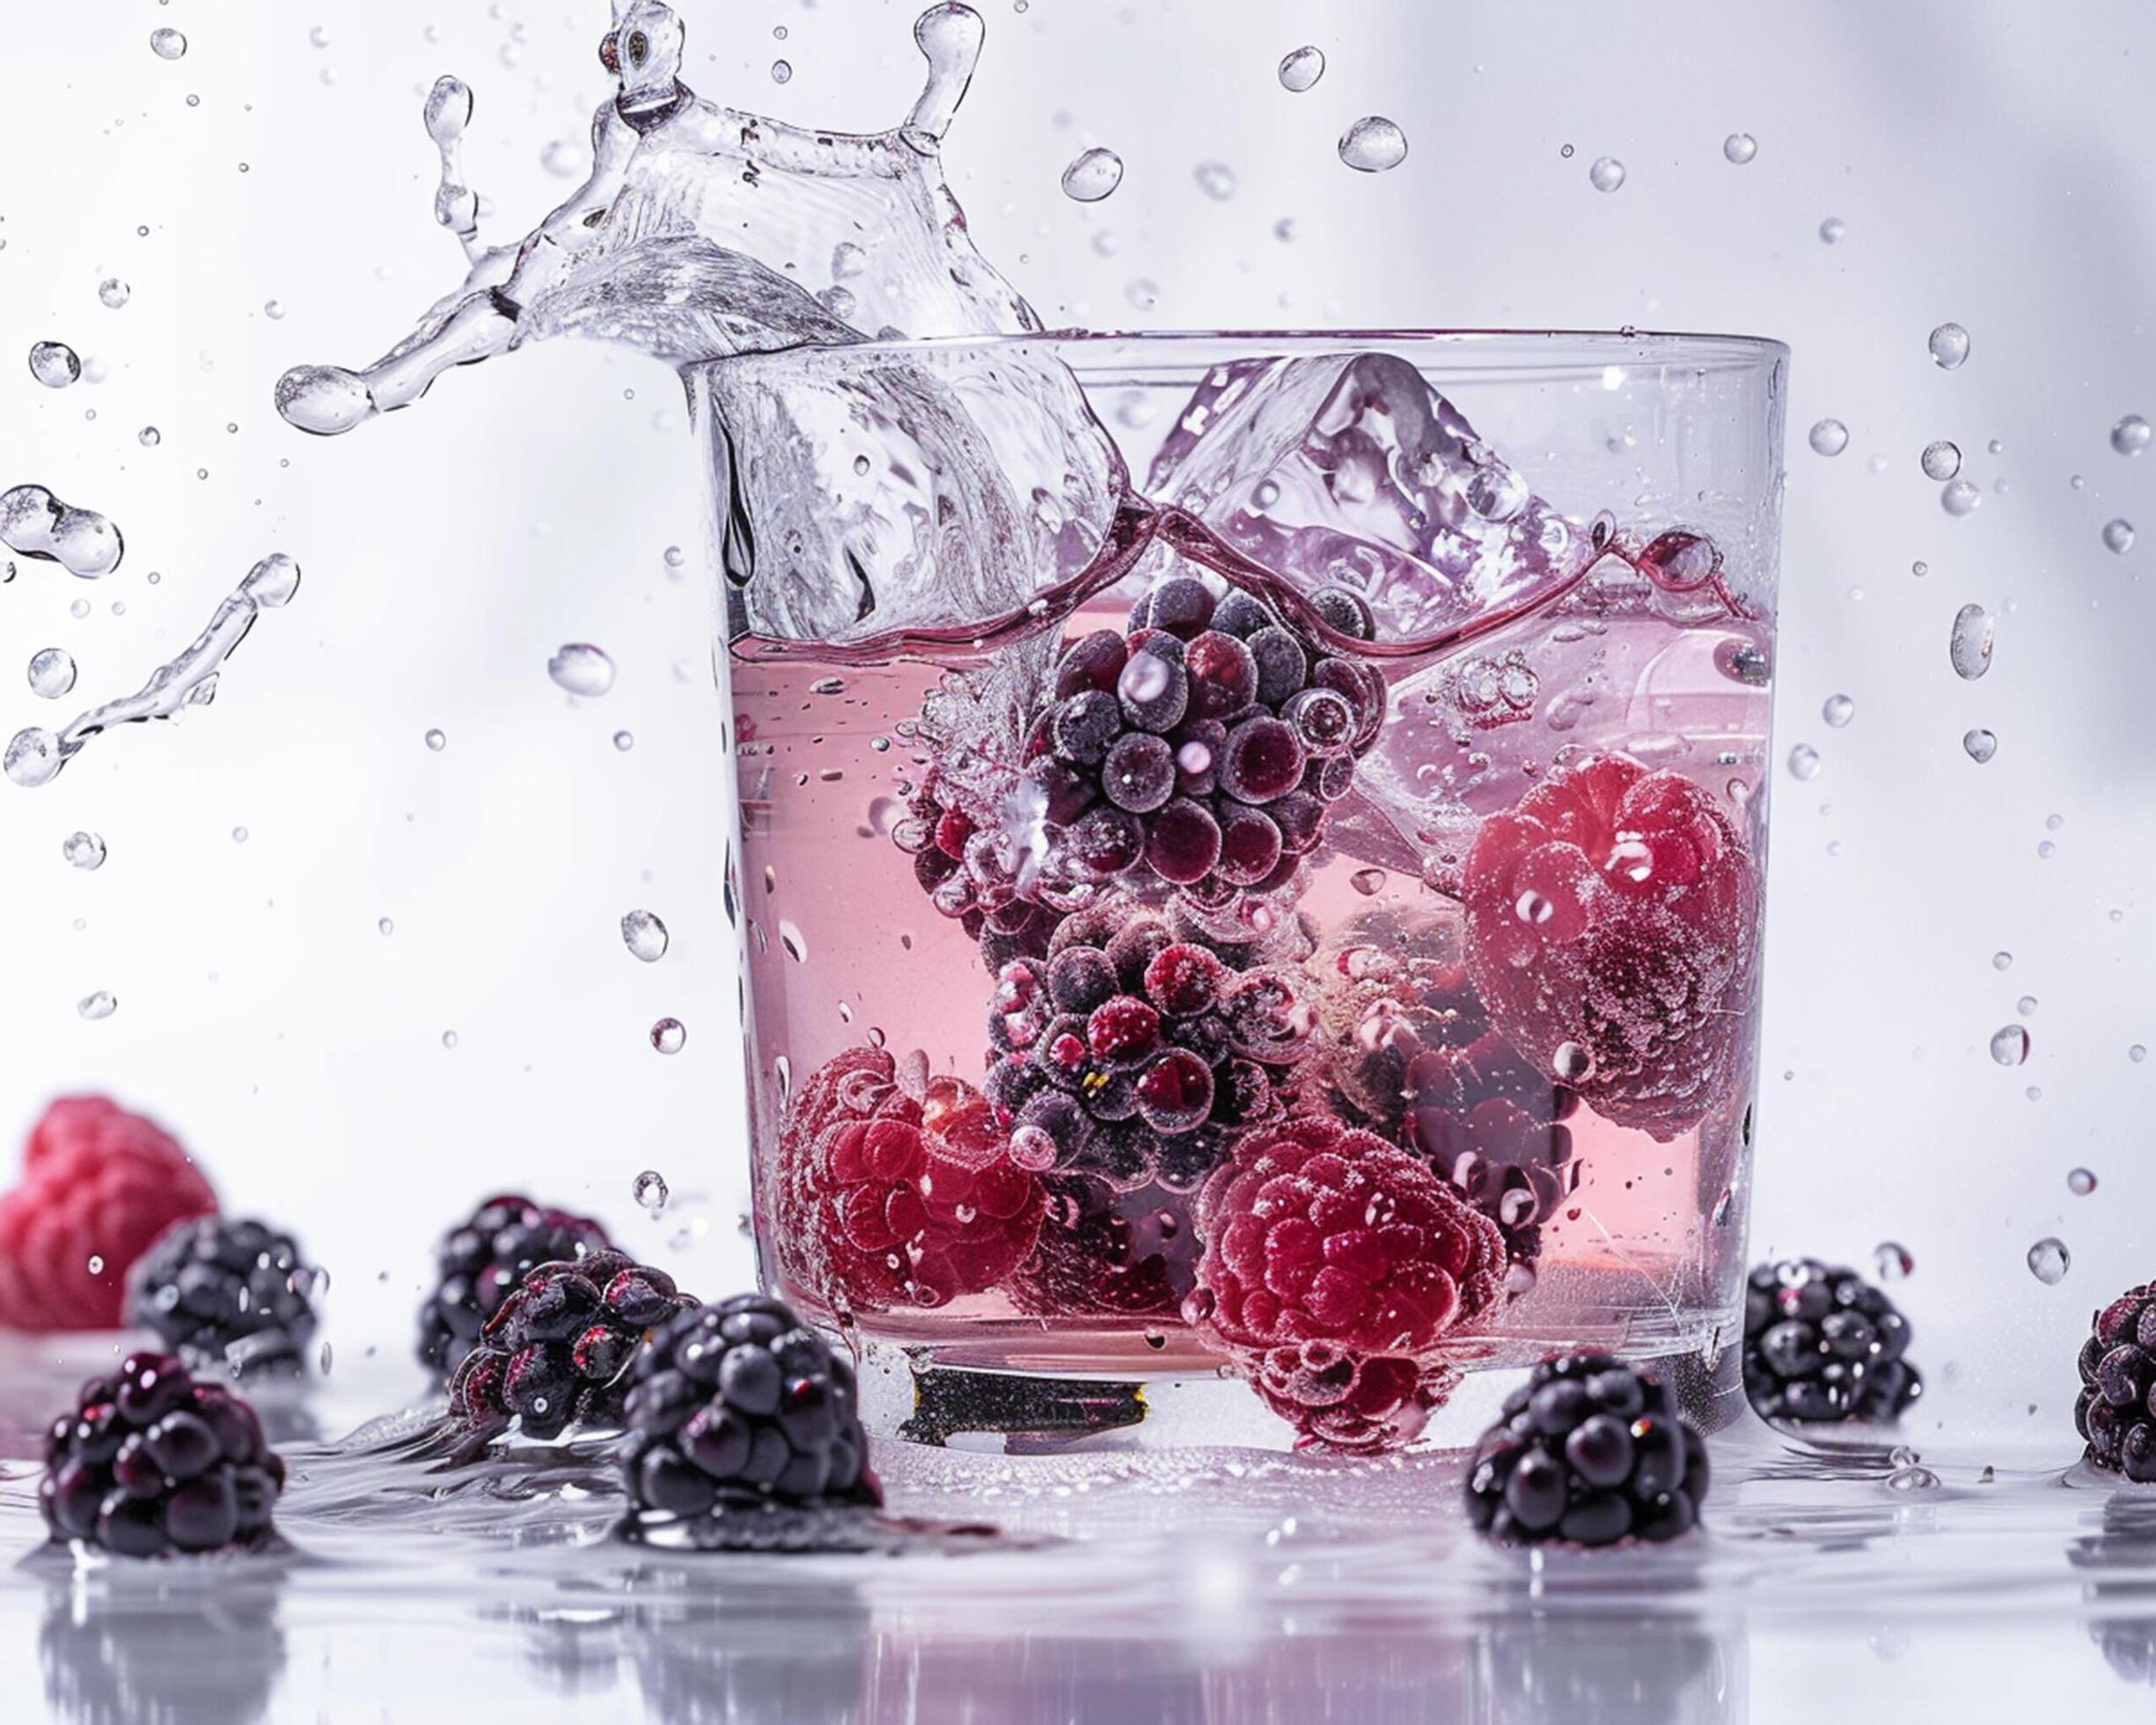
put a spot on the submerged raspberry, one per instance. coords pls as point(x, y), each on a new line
point(1335, 1266)
point(2115, 1413)
point(1822, 1343)
point(1612, 920)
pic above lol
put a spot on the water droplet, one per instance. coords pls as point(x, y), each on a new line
point(582, 669)
point(2048, 1261)
point(1740, 148)
point(240, 835)
point(1837, 710)
point(2010, 1044)
point(1980, 745)
point(386, 926)
point(84, 850)
point(625, 740)
point(2002, 961)
point(1942, 460)
point(32, 757)
point(1216, 180)
point(167, 44)
point(795, 944)
point(437, 741)
point(668, 1035)
point(2137, 1053)
point(1144, 293)
point(1092, 176)
point(781, 71)
point(1948, 345)
point(449, 1038)
point(52, 672)
point(273, 309)
point(1372, 144)
point(649, 1190)
point(1828, 436)
point(319, 35)
point(1831, 230)
point(1804, 761)
point(2026, 1005)
point(1607, 173)
point(1912, 1479)
point(2131, 434)
point(1891, 1261)
point(2080, 1182)
point(1301, 68)
point(100, 1005)
point(1369, 882)
point(113, 292)
point(149, 436)
point(1969, 646)
point(55, 363)
point(2119, 535)
point(644, 935)
point(326, 1358)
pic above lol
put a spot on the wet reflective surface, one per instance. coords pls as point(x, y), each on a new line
point(1214, 1585)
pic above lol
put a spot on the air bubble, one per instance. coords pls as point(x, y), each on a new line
point(52, 672)
point(1942, 460)
point(644, 935)
point(1607, 173)
point(1372, 144)
point(650, 1191)
point(1740, 148)
point(582, 669)
point(1301, 68)
point(1369, 882)
point(781, 71)
point(1948, 345)
point(1092, 176)
point(2048, 1261)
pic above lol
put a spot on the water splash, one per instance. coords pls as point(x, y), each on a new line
point(189, 679)
point(35, 524)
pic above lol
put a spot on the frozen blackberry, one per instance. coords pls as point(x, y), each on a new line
point(2115, 1413)
point(1590, 1452)
point(226, 1295)
point(1822, 1343)
point(479, 1262)
point(151, 1463)
point(559, 1349)
point(740, 1404)
point(1132, 1051)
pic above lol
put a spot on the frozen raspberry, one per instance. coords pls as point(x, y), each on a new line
point(1105, 1253)
point(1822, 1343)
point(1612, 917)
point(558, 1350)
point(1335, 1266)
point(152, 1463)
point(1589, 1451)
point(2115, 1413)
point(740, 1405)
point(479, 1262)
point(227, 1295)
point(98, 1185)
point(898, 1189)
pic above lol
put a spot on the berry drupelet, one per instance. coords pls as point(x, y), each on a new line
point(1822, 1343)
point(1590, 1452)
point(151, 1463)
point(226, 1293)
point(560, 1349)
point(740, 1404)
point(479, 1262)
point(2115, 1413)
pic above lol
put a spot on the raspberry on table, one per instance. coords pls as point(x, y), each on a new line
point(2115, 1412)
point(479, 1262)
point(152, 1463)
point(1590, 1452)
point(226, 1295)
point(1612, 926)
point(1820, 1343)
point(98, 1185)
point(1335, 1268)
point(558, 1350)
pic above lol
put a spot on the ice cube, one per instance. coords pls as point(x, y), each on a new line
point(1351, 470)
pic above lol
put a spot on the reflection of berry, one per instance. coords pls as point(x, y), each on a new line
point(1335, 1266)
point(1589, 1451)
point(1106, 1253)
point(1612, 919)
point(2117, 1410)
point(151, 1462)
point(1132, 1051)
point(560, 1350)
point(98, 1185)
point(740, 1403)
point(226, 1293)
point(899, 1193)
point(479, 1262)
point(1822, 1343)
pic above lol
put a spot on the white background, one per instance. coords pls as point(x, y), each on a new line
point(1990, 162)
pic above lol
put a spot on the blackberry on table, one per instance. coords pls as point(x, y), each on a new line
point(479, 1262)
point(2115, 1413)
point(226, 1293)
point(560, 1349)
point(152, 1463)
point(1820, 1343)
point(1591, 1452)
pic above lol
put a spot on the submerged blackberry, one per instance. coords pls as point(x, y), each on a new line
point(226, 1295)
point(1822, 1343)
point(1591, 1452)
point(479, 1262)
point(152, 1463)
point(1103, 1252)
point(738, 1406)
point(2115, 1413)
point(560, 1349)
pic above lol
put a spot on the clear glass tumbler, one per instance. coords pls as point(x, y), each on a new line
point(1251, 865)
